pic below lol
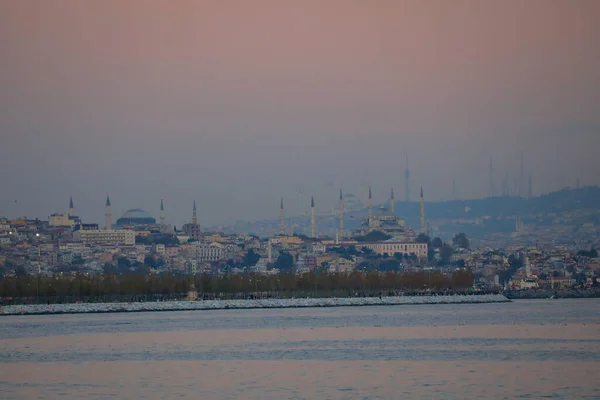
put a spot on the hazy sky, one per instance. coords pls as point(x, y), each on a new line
point(236, 103)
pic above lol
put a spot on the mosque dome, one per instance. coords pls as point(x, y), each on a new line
point(136, 216)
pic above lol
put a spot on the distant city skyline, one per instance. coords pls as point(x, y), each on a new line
point(236, 107)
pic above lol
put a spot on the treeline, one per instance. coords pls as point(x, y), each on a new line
point(134, 287)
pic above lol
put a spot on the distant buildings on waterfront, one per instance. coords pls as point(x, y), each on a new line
point(381, 241)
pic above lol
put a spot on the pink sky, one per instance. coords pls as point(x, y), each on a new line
point(236, 103)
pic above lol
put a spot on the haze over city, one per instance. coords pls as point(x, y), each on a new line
point(236, 104)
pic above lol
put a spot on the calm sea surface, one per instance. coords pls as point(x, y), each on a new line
point(524, 349)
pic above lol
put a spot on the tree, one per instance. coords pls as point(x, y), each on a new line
point(437, 243)
point(250, 259)
point(77, 260)
point(462, 279)
point(389, 265)
point(423, 238)
point(446, 253)
point(285, 262)
point(461, 241)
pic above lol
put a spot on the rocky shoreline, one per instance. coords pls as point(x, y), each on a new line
point(77, 308)
point(549, 293)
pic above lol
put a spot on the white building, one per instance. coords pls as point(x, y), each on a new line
point(105, 236)
point(393, 247)
point(209, 252)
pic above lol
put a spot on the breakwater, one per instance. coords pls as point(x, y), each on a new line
point(76, 308)
point(589, 293)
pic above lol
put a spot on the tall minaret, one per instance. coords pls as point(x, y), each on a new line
point(195, 228)
point(522, 178)
point(392, 203)
point(407, 181)
point(71, 208)
point(162, 213)
point(269, 252)
point(313, 227)
point(281, 219)
point(422, 212)
point(107, 214)
point(194, 216)
point(341, 231)
point(370, 208)
point(492, 191)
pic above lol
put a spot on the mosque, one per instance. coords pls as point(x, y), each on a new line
point(135, 217)
point(387, 222)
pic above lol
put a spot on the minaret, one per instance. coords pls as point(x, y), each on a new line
point(370, 208)
point(522, 179)
point(269, 252)
point(195, 228)
point(71, 208)
point(313, 227)
point(492, 191)
point(107, 214)
point(281, 219)
point(392, 203)
point(530, 189)
point(194, 216)
point(422, 212)
point(407, 181)
point(341, 231)
point(162, 213)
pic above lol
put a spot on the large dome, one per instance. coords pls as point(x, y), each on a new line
point(136, 217)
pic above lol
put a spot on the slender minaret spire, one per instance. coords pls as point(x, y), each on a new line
point(522, 178)
point(71, 208)
point(341, 231)
point(281, 219)
point(194, 216)
point(422, 212)
point(530, 189)
point(269, 252)
point(107, 214)
point(492, 191)
point(407, 181)
point(392, 203)
point(162, 213)
point(313, 227)
point(370, 209)
point(195, 228)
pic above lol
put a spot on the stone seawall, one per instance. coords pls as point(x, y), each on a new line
point(77, 308)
